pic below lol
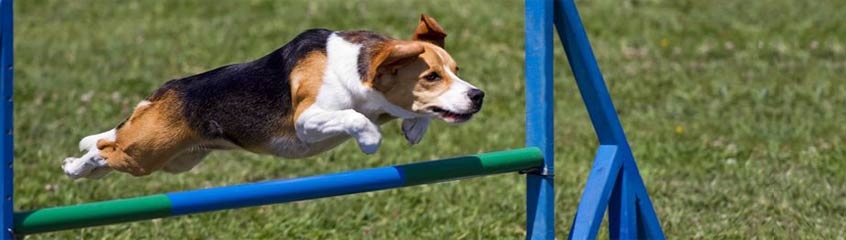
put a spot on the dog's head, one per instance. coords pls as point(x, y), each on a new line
point(421, 77)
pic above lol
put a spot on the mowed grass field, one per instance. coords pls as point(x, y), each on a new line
point(734, 109)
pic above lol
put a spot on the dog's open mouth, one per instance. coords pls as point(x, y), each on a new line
point(450, 116)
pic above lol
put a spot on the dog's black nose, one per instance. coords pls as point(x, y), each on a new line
point(476, 96)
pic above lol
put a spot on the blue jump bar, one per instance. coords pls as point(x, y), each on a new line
point(289, 190)
point(262, 193)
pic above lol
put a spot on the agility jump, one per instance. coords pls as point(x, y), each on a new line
point(614, 183)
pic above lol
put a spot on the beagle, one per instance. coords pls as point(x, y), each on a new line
point(302, 99)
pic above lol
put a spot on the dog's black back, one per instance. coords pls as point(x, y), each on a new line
point(244, 102)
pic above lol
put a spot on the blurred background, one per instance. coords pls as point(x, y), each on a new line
point(734, 110)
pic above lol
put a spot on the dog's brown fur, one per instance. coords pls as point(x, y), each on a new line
point(306, 80)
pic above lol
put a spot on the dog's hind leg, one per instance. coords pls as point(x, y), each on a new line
point(147, 141)
point(92, 164)
point(144, 143)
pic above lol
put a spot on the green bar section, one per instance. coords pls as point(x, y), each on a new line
point(92, 214)
point(473, 165)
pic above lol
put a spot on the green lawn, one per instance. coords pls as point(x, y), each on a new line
point(734, 110)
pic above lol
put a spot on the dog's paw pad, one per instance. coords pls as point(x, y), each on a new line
point(369, 149)
point(369, 142)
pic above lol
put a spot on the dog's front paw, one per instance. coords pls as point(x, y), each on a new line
point(414, 129)
point(369, 141)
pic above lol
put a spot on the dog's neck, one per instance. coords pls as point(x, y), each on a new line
point(344, 81)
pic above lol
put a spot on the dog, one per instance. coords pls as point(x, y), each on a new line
point(318, 90)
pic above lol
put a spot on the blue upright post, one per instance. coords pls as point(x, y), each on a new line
point(540, 208)
point(6, 89)
point(614, 179)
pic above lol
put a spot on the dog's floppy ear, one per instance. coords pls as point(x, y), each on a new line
point(400, 52)
point(430, 31)
point(393, 55)
point(414, 129)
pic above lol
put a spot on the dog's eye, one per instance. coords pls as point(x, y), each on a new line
point(433, 77)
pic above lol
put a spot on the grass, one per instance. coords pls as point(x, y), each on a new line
point(734, 110)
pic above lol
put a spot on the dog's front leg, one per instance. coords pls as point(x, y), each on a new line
point(317, 125)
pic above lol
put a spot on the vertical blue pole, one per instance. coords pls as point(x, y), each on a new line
point(540, 206)
point(6, 140)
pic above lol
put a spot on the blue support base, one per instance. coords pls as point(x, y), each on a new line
point(622, 209)
point(614, 180)
point(597, 192)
